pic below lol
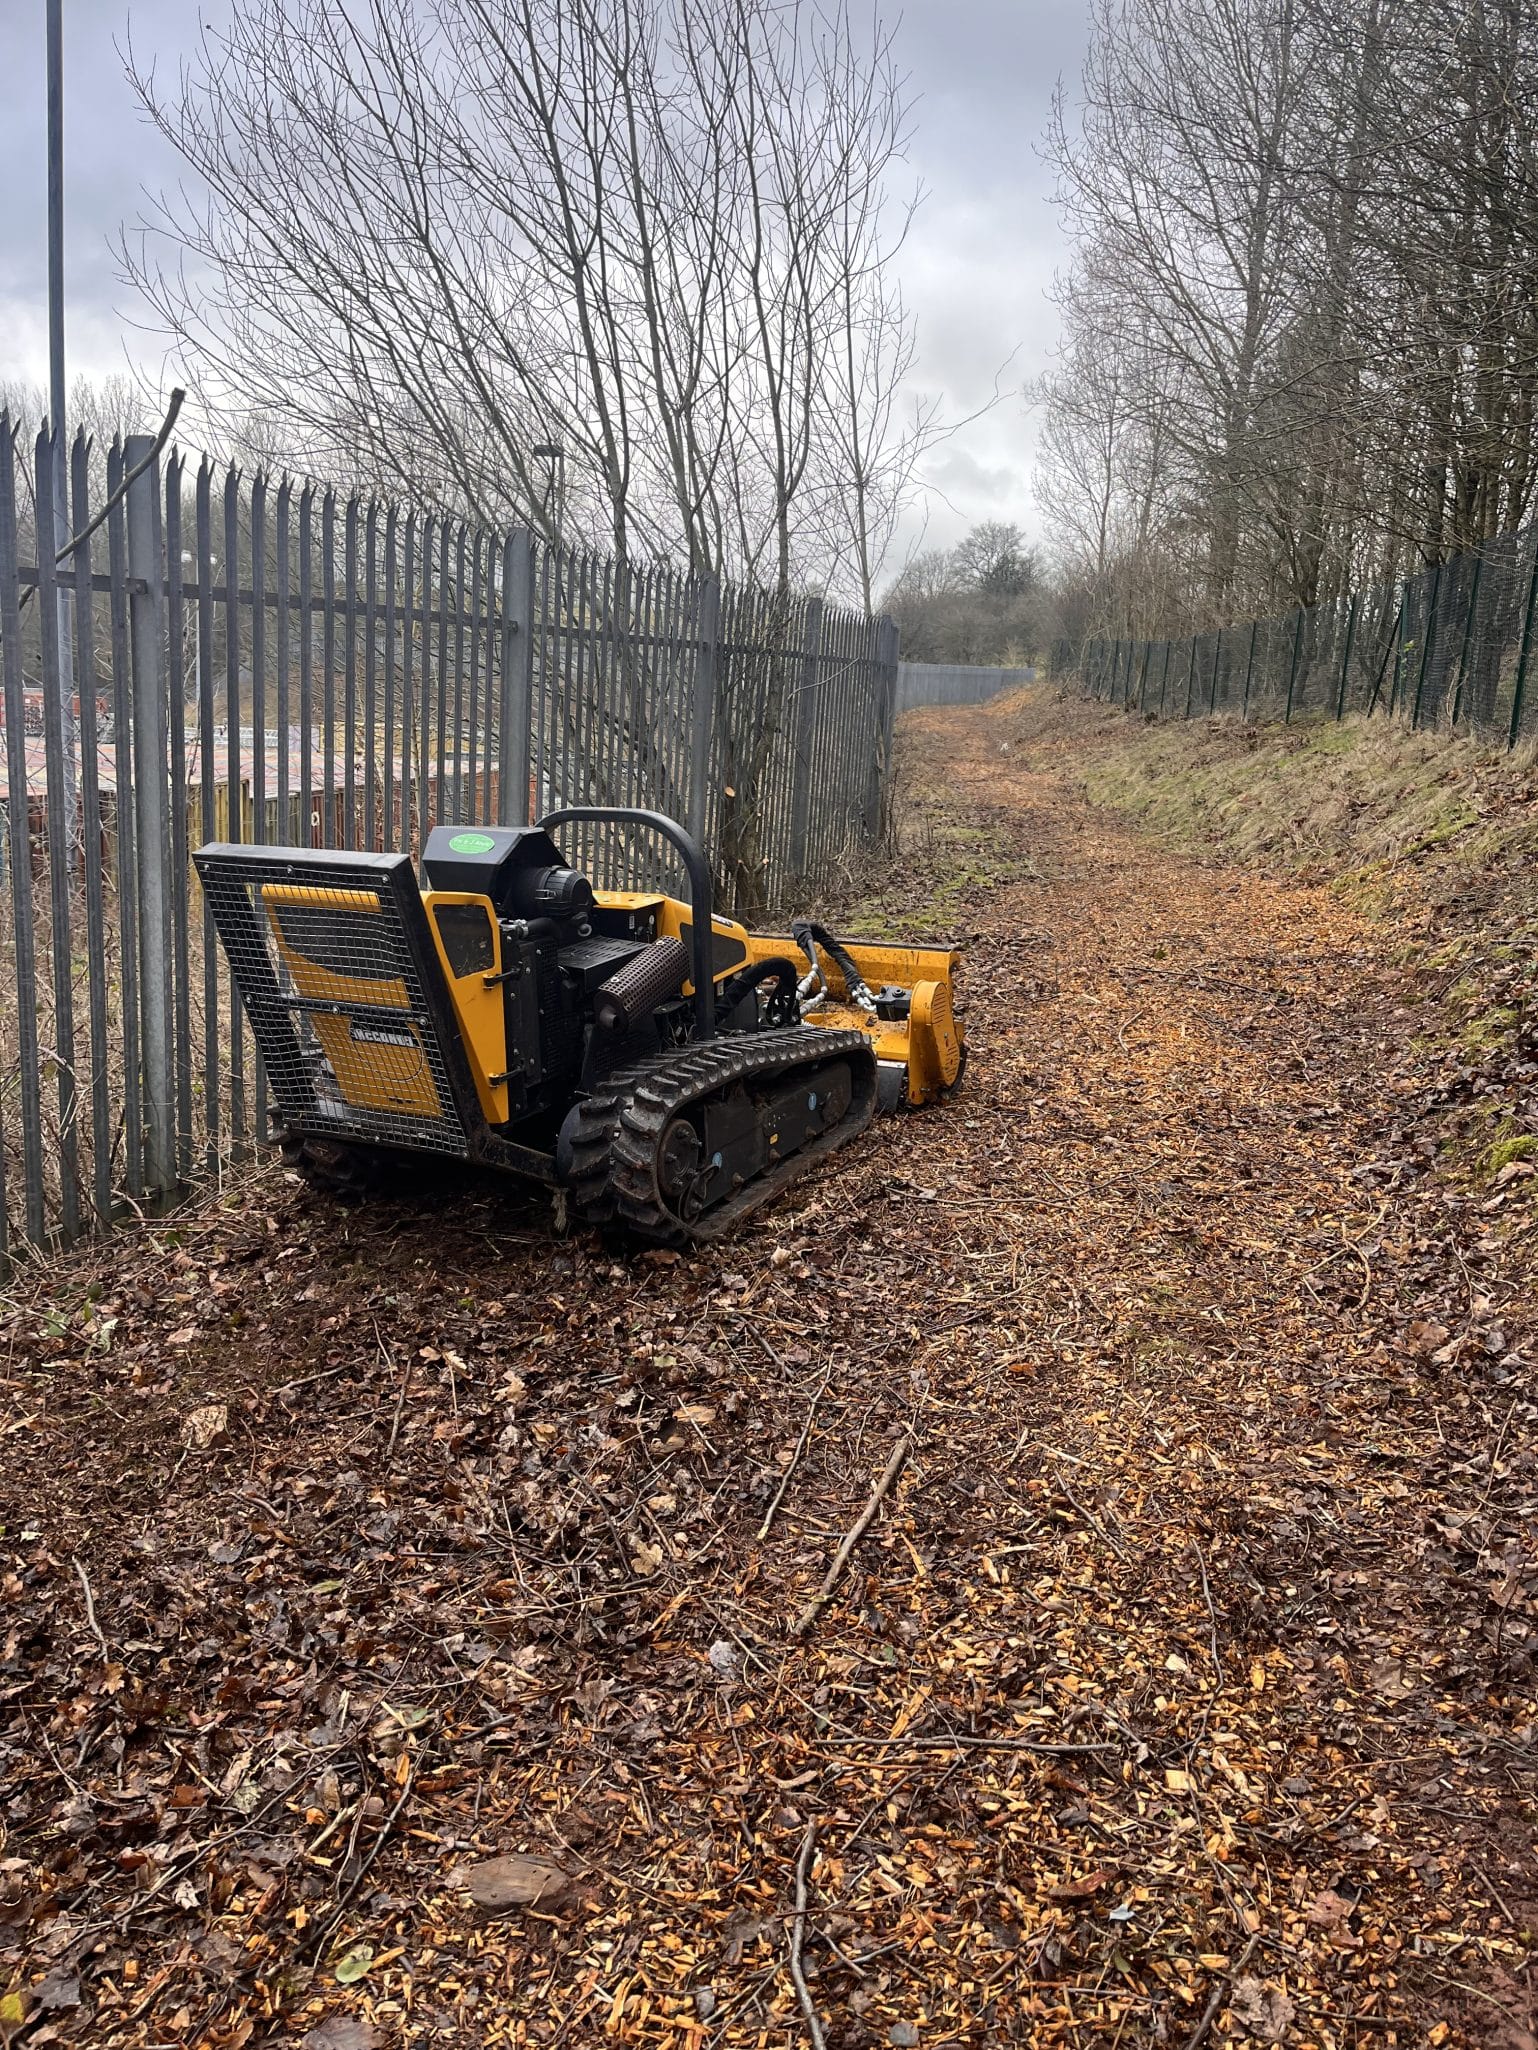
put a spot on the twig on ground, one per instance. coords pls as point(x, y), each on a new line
point(1500, 1898)
point(1361, 1301)
point(1500, 1446)
point(1095, 1525)
point(798, 1937)
point(1212, 1615)
point(333, 1921)
point(863, 1521)
point(960, 1743)
point(795, 1458)
point(1203, 2028)
point(400, 1400)
point(308, 1380)
point(90, 1611)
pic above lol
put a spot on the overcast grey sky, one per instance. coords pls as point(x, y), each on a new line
point(976, 269)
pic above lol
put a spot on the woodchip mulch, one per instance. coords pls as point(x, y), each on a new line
point(1180, 1690)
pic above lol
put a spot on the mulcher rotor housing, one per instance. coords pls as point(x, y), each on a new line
point(666, 1068)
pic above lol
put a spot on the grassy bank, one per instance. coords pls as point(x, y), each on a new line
point(1434, 838)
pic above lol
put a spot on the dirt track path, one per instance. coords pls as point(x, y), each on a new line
point(1167, 1701)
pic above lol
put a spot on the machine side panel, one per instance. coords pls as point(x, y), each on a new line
point(469, 945)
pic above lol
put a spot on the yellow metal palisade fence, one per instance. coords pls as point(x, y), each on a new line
point(269, 661)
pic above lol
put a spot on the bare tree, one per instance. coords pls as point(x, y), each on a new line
point(1301, 321)
point(656, 232)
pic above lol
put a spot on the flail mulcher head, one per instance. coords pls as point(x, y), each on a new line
point(664, 1067)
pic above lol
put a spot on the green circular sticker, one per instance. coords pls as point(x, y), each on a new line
point(472, 843)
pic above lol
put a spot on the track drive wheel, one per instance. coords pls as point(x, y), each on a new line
point(639, 1154)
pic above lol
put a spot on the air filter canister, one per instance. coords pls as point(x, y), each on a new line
point(647, 979)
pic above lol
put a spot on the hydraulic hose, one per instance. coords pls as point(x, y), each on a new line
point(782, 1008)
point(809, 936)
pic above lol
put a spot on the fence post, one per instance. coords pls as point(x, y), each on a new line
point(1164, 675)
point(803, 726)
point(152, 809)
point(1426, 640)
point(1345, 663)
point(1292, 673)
point(1249, 671)
point(707, 662)
point(18, 845)
point(1527, 647)
point(63, 836)
point(1190, 677)
point(516, 710)
point(1217, 658)
point(1468, 632)
point(1399, 627)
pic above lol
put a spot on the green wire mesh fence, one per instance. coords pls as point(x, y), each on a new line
point(1451, 648)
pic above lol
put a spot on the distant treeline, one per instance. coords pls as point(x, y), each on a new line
point(985, 600)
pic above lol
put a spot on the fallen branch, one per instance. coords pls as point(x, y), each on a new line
point(795, 1458)
point(400, 1400)
point(1212, 1615)
point(866, 1517)
point(960, 1743)
point(1203, 2028)
point(327, 1929)
point(1125, 1025)
point(90, 1612)
point(798, 1937)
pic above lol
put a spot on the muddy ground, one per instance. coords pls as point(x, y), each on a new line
point(1181, 1691)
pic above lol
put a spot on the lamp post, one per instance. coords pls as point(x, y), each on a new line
point(61, 528)
point(555, 482)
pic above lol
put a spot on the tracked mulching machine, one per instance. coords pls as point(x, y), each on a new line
point(665, 1068)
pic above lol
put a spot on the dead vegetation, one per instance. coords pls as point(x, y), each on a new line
point(421, 1631)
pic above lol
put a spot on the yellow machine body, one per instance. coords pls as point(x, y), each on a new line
point(928, 1044)
point(664, 1070)
point(387, 1069)
point(384, 1068)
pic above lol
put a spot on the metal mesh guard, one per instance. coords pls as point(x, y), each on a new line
point(331, 955)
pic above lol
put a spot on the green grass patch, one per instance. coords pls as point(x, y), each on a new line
point(1521, 1146)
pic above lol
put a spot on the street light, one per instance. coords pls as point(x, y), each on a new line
point(555, 482)
point(61, 532)
point(55, 59)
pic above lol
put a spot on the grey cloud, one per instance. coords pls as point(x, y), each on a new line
point(976, 270)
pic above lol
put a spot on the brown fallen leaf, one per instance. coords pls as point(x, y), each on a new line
point(497, 1884)
point(1329, 1911)
point(1262, 2010)
point(341, 2032)
point(206, 1426)
point(1082, 1889)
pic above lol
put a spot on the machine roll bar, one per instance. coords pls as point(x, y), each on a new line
point(701, 892)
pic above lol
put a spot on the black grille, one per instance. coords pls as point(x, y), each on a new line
point(331, 956)
point(326, 935)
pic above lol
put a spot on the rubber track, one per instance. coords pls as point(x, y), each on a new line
point(620, 1127)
